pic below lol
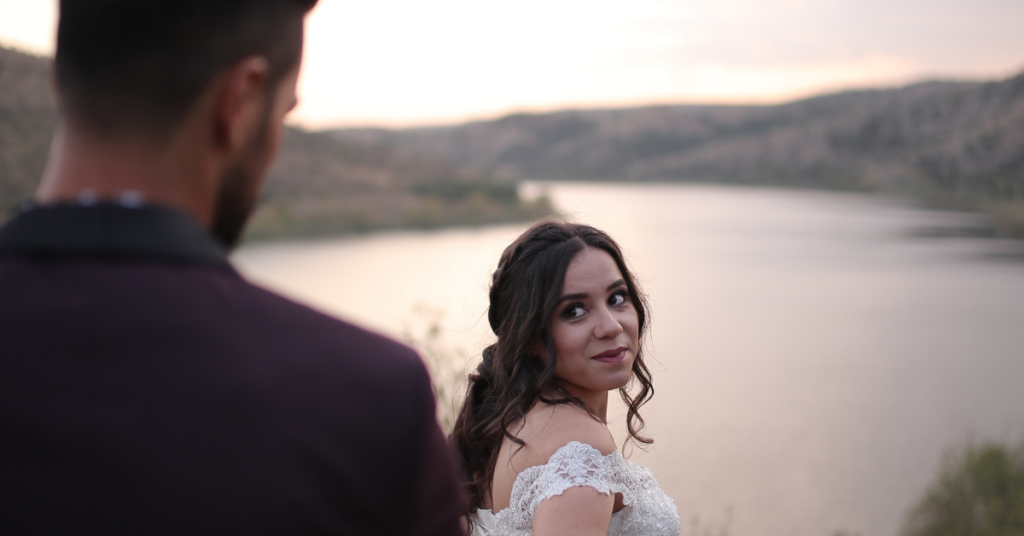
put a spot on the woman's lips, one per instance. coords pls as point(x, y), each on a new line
point(611, 356)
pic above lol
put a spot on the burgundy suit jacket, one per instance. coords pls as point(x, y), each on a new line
point(147, 388)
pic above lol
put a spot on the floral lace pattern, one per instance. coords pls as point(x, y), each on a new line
point(647, 511)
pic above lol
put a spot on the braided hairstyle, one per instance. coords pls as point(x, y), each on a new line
point(524, 294)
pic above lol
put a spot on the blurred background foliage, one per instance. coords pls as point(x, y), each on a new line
point(979, 491)
point(424, 331)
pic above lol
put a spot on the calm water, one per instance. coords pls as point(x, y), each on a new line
point(815, 352)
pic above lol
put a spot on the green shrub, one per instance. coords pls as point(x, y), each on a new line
point(979, 491)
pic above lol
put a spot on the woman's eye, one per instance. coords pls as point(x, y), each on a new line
point(573, 311)
point(618, 298)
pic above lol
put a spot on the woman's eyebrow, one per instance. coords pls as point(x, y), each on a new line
point(577, 296)
point(581, 295)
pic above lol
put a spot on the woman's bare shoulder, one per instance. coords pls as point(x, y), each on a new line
point(545, 429)
point(548, 428)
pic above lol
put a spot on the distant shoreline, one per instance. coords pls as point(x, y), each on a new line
point(949, 145)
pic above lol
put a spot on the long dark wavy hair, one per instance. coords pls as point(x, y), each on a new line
point(525, 290)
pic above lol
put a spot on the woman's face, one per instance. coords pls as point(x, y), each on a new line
point(595, 327)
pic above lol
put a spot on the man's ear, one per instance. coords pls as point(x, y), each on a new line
point(240, 102)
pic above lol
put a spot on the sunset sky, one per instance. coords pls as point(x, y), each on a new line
point(415, 62)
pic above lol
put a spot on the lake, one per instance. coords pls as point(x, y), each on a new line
point(814, 353)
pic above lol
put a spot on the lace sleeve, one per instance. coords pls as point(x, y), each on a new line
point(575, 464)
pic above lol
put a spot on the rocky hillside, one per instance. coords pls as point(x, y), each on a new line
point(27, 116)
point(319, 184)
point(955, 142)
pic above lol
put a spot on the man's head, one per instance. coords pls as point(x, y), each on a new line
point(139, 69)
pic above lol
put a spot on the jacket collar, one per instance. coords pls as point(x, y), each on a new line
point(109, 230)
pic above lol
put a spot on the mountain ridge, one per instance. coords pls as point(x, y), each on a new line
point(955, 142)
point(318, 185)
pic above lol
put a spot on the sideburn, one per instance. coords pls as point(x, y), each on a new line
point(239, 190)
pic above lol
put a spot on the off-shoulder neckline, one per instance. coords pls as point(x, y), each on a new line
point(515, 483)
point(587, 445)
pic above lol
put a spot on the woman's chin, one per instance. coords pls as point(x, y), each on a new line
point(623, 382)
point(616, 380)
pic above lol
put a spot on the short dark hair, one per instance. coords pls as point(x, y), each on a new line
point(139, 66)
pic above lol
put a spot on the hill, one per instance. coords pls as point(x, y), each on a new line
point(27, 116)
point(956, 143)
point(318, 185)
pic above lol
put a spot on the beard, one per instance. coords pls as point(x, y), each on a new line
point(239, 189)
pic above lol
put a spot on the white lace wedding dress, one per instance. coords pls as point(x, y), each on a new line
point(647, 511)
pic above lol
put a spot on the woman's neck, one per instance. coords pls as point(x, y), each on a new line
point(596, 402)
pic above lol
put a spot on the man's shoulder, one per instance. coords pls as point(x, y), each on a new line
point(300, 326)
point(330, 370)
point(209, 320)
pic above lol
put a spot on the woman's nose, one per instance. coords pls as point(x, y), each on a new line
point(607, 324)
